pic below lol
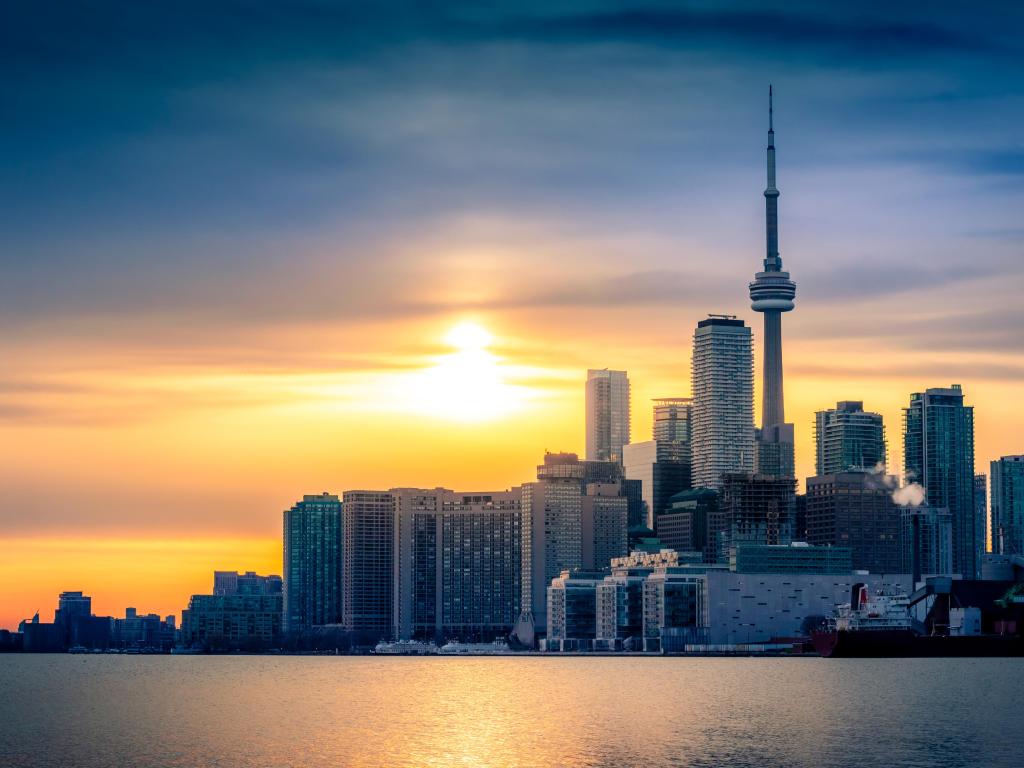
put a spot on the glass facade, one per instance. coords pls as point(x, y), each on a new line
point(1008, 505)
point(723, 400)
point(607, 417)
point(938, 450)
point(926, 541)
point(847, 437)
point(312, 563)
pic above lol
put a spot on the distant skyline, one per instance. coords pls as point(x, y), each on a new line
point(254, 252)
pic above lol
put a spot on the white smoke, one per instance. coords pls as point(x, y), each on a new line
point(910, 495)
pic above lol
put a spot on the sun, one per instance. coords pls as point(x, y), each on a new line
point(468, 336)
point(467, 385)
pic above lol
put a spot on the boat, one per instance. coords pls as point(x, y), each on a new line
point(405, 648)
point(455, 648)
point(880, 625)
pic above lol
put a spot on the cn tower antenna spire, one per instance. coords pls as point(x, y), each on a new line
point(771, 129)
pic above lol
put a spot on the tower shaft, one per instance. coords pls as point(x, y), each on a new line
point(773, 409)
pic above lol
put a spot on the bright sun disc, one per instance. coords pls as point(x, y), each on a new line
point(468, 336)
point(468, 384)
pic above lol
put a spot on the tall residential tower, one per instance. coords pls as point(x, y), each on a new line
point(938, 453)
point(1008, 505)
point(848, 437)
point(312, 564)
point(722, 429)
point(772, 293)
point(607, 414)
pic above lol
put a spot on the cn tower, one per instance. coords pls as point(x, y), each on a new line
point(772, 293)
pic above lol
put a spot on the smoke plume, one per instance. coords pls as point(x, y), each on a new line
point(910, 495)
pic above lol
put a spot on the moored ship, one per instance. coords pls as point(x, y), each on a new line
point(881, 625)
point(405, 648)
point(455, 648)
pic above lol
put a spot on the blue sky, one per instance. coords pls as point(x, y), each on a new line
point(246, 188)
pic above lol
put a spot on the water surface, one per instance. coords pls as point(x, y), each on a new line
point(242, 711)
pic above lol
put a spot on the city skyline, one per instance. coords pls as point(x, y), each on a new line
point(232, 329)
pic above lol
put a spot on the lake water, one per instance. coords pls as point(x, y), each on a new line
point(196, 711)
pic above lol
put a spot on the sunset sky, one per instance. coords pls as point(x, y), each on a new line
point(250, 253)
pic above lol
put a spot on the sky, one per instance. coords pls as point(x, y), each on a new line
point(251, 251)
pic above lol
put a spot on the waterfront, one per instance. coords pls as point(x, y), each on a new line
point(242, 711)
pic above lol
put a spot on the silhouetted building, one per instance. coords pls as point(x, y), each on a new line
point(633, 492)
point(661, 470)
point(77, 627)
point(847, 437)
point(981, 510)
point(607, 416)
point(938, 448)
point(800, 517)
point(147, 632)
point(1008, 505)
point(856, 510)
point(723, 400)
point(71, 605)
point(754, 509)
point(40, 637)
point(248, 583)
point(313, 563)
point(685, 525)
point(231, 622)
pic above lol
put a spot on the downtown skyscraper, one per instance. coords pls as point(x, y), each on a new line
point(312, 563)
point(459, 560)
point(722, 430)
point(772, 293)
point(938, 453)
point(607, 417)
point(848, 437)
point(1007, 474)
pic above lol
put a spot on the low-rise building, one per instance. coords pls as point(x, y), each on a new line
point(143, 631)
point(572, 610)
point(231, 622)
point(798, 557)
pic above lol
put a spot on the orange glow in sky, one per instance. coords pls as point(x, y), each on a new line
point(170, 471)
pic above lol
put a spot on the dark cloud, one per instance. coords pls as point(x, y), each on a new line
point(771, 31)
point(184, 164)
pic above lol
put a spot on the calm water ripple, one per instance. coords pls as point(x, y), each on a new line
point(236, 712)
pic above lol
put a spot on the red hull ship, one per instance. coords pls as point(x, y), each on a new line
point(881, 626)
